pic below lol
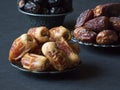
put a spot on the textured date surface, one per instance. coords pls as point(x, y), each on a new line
point(115, 22)
point(109, 9)
point(100, 24)
point(85, 35)
point(84, 17)
point(97, 24)
point(106, 37)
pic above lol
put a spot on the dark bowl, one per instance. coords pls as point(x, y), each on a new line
point(48, 20)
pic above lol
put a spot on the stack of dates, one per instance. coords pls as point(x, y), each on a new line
point(99, 25)
point(41, 49)
point(45, 6)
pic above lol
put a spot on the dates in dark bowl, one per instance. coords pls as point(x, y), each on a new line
point(48, 13)
point(47, 20)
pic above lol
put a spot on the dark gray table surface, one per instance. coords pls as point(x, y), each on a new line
point(99, 69)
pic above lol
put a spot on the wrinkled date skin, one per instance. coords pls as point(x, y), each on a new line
point(31, 7)
point(84, 17)
point(106, 37)
point(109, 9)
point(115, 23)
point(97, 24)
point(85, 35)
point(45, 6)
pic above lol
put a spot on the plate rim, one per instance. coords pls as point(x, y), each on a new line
point(95, 44)
point(19, 67)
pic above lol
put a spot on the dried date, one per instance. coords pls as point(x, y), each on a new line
point(106, 37)
point(32, 7)
point(97, 24)
point(115, 23)
point(109, 9)
point(84, 17)
point(85, 35)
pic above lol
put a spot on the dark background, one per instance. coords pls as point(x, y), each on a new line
point(100, 68)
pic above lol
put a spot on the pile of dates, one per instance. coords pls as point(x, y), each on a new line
point(99, 25)
point(45, 6)
point(40, 49)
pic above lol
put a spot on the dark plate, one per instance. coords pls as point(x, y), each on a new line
point(19, 67)
point(95, 44)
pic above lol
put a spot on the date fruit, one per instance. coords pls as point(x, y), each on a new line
point(35, 62)
point(84, 17)
point(32, 7)
point(85, 35)
point(97, 24)
point(109, 9)
point(106, 37)
point(115, 22)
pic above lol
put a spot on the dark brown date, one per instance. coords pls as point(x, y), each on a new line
point(85, 35)
point(106, 37)
point(84, 17)
point(115, 23)
point(109, 9)
point(32, 7)
point(97, 24)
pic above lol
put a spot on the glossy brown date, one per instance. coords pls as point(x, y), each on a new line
point(97, 24)
point(106, 37)
point(109, 9)
point(84, 17)
point(84, 35)
point(115, 23)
